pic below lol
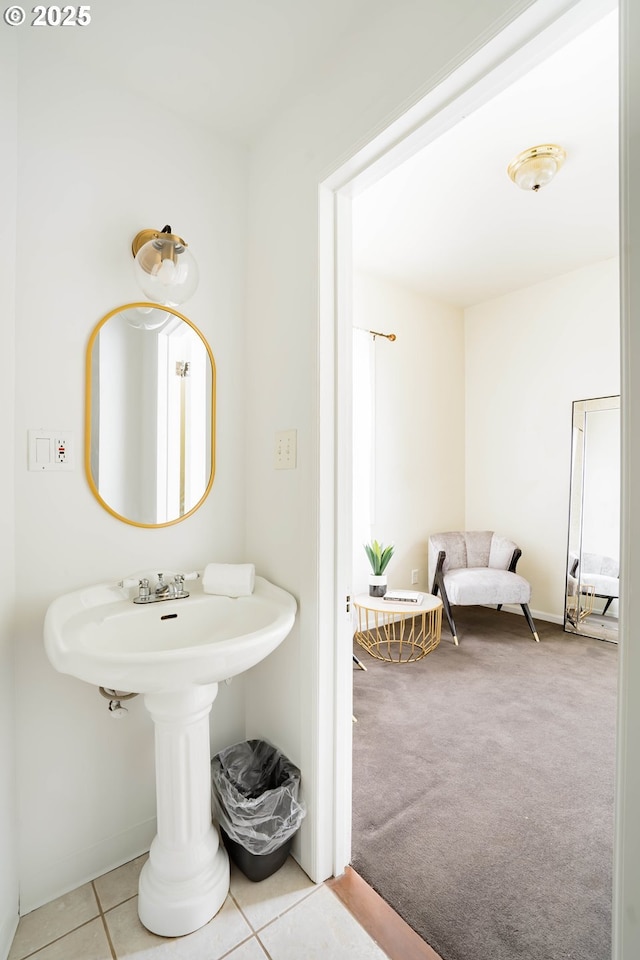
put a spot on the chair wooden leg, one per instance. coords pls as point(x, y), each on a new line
point(532, 626)
point(448, 614)
point(438, 585)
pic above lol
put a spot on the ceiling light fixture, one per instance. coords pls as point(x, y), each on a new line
point(165, 270)
point(537, 166)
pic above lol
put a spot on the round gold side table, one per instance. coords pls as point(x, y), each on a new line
point(398, 631)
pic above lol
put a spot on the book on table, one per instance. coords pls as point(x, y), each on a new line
point(403, 596)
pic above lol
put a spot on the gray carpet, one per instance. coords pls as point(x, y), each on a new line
point(483, 790)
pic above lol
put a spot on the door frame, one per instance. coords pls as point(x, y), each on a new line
point(544, 27)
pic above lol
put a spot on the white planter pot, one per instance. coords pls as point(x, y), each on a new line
point(377, 585)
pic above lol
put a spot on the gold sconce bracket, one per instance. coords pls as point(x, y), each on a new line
point(144, 236)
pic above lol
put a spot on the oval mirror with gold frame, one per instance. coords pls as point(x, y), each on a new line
point(149, 415)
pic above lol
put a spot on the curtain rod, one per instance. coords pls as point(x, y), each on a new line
point(376, 333)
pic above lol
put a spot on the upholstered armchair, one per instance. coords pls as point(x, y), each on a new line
point(477, 567)
point(597, 571)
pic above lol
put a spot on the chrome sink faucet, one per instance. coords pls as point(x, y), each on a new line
point(164, 590)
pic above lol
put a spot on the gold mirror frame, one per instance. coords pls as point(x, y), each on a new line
point(89, 411)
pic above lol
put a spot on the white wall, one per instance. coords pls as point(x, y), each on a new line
point(95, 166)
point(8, 810)
point(529, 355)
point(419, 424)
point(371, 80)
point(520, 363)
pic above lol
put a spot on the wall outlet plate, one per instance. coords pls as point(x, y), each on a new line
point(50, 450)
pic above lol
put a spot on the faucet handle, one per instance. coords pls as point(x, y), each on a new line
point(143, 588)
point(178, 585)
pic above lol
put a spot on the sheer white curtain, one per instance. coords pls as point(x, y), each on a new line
point(363, 453)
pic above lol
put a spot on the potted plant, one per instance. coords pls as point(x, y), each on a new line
point(379, 557)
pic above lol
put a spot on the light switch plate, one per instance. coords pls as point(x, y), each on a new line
point(50, 450)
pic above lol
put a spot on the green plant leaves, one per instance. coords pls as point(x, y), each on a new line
point(379, 556)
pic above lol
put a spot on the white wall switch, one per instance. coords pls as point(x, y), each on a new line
point(414, 576)
point(50, 450)
point(285, 454)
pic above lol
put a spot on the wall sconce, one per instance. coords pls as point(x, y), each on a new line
point(537, 166)
point(164, 269)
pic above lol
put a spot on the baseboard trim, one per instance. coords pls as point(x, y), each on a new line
point(55, 879)
point(536, 614)
point(508, 607)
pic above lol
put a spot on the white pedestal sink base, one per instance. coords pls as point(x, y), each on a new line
point(174, 909)
point(186, 879)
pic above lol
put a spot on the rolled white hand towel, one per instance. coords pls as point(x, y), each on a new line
point(229, 579)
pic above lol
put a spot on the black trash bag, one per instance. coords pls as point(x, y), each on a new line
point(255, 791)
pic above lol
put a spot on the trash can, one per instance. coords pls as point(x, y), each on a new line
point(255, 794)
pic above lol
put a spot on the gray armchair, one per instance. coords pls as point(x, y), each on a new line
point(598, 571)
point(477, 567)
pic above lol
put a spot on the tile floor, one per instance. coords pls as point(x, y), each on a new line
point(285, 917)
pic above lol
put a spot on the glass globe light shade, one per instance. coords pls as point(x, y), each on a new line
point(166, 270)
point(536, 173)
point(145, 318)
point(536, 167)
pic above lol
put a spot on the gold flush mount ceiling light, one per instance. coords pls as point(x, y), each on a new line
point(165, 270)
point(537, 166)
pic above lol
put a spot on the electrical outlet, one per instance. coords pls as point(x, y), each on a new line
point(285, 454)
point(50, 450)
point(60, 450)
point(414, 576)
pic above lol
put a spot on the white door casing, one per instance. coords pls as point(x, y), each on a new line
point(545, 26)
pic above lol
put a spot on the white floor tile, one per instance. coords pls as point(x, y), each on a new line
point(251, 950)
point(132, 941)
point(264, 901)
point(53, 920)
point(86, 943)
point(317, 929)
point(120, 884)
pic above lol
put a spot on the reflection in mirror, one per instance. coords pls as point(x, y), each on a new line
point(593, 561)
point(150, 415)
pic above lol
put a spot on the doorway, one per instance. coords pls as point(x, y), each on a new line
point(344, 188)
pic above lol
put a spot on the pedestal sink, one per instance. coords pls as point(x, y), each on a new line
point(175, 653)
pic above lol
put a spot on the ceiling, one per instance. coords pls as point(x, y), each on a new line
point(451, 224)
point(230, 65)
point(448, 222)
